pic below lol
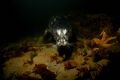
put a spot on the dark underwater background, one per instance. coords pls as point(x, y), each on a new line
point(26, 17)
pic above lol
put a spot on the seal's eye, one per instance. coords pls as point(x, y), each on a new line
point(64, 31)
point(59, 31)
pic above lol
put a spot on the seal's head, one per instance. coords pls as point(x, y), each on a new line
point(62, 37)
point(61, 30)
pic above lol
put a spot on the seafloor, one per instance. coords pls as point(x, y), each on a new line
point(31, 59)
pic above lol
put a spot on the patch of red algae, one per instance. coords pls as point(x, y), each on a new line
point(44, 72)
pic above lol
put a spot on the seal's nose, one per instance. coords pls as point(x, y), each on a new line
point(62, 42)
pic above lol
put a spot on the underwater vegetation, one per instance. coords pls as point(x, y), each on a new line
point(31, 59)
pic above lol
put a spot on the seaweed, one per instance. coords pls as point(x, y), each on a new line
point(44, 72)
